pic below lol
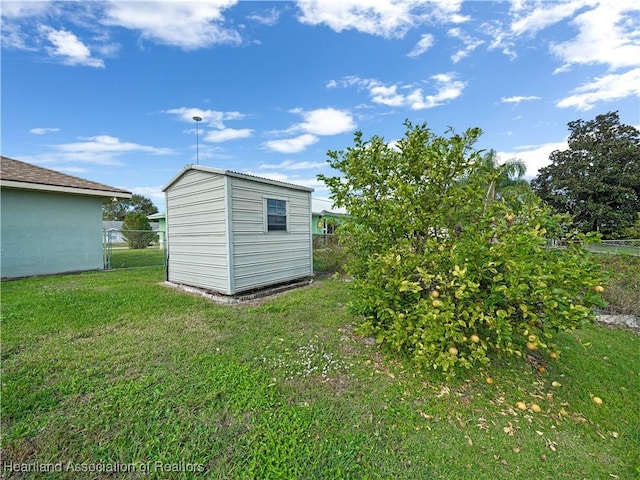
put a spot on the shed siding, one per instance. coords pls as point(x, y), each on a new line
point(263, 258)
point(196, 226)
point(45, 233)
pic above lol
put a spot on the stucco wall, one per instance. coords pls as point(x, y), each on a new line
point(44, 233)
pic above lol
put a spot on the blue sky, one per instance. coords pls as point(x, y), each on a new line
point(107, 90)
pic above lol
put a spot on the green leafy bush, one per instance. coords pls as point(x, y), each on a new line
point(137, 231)
point(447, 269)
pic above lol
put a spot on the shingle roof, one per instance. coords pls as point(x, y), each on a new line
point(17, 171)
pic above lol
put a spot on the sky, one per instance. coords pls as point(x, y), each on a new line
point(107, 90)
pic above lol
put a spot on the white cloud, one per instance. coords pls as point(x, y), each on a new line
point(69, 48)
point(385, 18)
point(321, 121)
point(535, 157)
point(213, 118)
point(386, 95)
point(518, 99)
point(269, 18)
point(226, 134)
point(607, 31)
point(188, 25)
point(102, 150)
point(389, 18)
point(291, 165)
point(292, 145)
point(424, 44)
point(324, 121)
point(608, 34)
point(446, 87)
point(24, 9)
point(470, 44)
point(604, 89)
point(544, 15)
point(43, 130)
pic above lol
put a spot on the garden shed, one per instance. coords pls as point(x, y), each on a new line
point(230, 232)
point(51, 222)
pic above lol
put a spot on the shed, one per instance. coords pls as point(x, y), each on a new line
point(51, 222)
point(230, 232)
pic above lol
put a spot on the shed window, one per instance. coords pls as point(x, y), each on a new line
point(276, 215)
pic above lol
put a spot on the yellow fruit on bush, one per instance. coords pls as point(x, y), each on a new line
point(521, 406)
point(489, 380)
point(597, 400)
point(541, 369)
point(475, 338)
point(553, 355)
point(509, 218)
point(535, 408)
point(435, 294)
point(437, 303)
point(453, 351)
point(598, 289)
point(532, 346)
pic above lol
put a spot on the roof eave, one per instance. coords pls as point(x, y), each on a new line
point(62, 189)
point(230, 173)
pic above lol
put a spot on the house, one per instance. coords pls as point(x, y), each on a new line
point(323, 220)
point(159, 224)
point(115, 229)
point(51, 222)
point(230, 232)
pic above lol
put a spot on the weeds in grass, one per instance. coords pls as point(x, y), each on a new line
point(306, 360)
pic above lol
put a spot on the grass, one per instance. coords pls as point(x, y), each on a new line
point(132, 258)
point(623, 289)
point(97, 373)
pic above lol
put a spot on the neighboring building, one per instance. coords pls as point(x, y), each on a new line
point(324, 221)
point(115, 229)
point(229, 232)
point(158, 221)
point(51, 222)
point(159, 224)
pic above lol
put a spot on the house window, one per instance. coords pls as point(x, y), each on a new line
point(276, 215)
point(329, 227)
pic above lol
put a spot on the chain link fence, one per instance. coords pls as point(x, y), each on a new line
point(133, 248)
point(616, 247)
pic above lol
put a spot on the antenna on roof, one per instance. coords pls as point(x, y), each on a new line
point(198, 120)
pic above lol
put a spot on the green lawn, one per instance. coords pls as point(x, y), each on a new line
point(131, 258)
point(112, 368)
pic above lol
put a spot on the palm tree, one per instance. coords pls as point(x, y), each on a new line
point(503, 179)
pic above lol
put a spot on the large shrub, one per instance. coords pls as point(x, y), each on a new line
point(446, 269)
point(137, 231)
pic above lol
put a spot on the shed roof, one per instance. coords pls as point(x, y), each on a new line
point(230, 173)
point(22, 175)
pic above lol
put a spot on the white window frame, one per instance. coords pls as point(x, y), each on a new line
point(266, 199)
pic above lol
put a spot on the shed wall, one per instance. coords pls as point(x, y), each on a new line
point(262, 258)
point(45, 233)
point(197, 231)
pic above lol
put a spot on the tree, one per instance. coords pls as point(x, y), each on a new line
point(504, 179)
point(137, 231)
point(118, 209)
point(597, 180)
point(441, 274)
